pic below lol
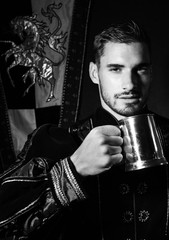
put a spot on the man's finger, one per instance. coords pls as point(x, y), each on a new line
point(110, 130)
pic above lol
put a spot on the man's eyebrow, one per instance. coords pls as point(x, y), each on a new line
point(116, 65)
point(144, 64)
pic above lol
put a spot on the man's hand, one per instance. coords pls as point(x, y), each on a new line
point(100, 150)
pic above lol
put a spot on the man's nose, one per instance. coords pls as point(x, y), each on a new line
point(129, 81)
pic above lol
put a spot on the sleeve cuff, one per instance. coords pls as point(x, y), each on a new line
point(65, 183)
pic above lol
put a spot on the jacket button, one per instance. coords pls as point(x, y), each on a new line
point(143, 216)
point(142, 188)
point(128, 217)
point(124, 188)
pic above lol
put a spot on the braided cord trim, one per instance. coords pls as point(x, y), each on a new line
point(72, 179)
point(55, 179)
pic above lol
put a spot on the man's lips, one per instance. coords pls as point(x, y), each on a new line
point(129, 96)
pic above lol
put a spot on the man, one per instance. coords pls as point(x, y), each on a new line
point(71, 184)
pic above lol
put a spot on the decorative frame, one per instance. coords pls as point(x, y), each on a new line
point(74, 65)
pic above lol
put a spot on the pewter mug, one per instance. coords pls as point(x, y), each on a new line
point(142, 144)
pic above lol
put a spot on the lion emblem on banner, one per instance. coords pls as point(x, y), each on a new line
point(35, 36)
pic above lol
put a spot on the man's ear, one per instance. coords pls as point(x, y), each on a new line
point(93, 73)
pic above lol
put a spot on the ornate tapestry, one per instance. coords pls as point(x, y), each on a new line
point(42, 51)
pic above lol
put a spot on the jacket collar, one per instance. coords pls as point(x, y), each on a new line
point(99, 118)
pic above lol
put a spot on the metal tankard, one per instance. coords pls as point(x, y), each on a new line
point(142, 144)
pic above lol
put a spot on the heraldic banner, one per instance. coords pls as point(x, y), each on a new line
point(42, 49)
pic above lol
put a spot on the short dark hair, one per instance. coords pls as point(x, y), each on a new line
point(126, 32)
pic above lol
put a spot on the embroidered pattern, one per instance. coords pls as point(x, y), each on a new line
point(72, 179)
point(55, 178)
point(143, 216)
point(142, 188)
point(124, 188)
point(128, 217)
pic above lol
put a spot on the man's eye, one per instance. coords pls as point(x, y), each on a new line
point(115, 69)
point(144, 70)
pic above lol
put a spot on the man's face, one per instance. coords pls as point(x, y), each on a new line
point(124, 78)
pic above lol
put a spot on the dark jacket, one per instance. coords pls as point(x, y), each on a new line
point(43, 197)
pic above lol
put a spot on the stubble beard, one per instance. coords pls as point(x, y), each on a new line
point(129, 109)
point(124, 109)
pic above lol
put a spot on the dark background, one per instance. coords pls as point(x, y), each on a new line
point(154, 16)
